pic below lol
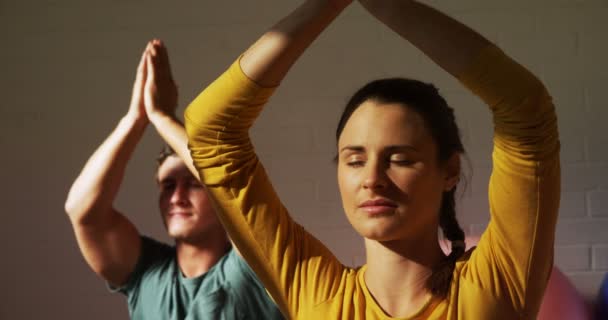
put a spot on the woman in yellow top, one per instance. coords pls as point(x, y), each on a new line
point(398, 166)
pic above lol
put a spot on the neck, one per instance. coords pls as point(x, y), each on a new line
point(197, 257)
point(397, 272)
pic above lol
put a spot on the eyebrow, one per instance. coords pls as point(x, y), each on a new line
point(403, 147)
point(352, 148)
point(166, 179)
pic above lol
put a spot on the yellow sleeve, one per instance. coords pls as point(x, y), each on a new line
point(289, 261)
point(514, 257)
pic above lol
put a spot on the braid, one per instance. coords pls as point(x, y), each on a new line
point(439, 282)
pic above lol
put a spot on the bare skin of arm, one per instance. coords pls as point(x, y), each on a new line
point(269, 59)
point(519, 238)
point(108, 241)
point(449, 43)
point(160, 102)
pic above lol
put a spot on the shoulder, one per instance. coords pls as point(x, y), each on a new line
point(156, 261)
point(155, 257)
point(154, 266)
point(233, 268)
point(153, 251)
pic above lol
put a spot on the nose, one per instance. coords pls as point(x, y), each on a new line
point(180, 194)
point(375, 175)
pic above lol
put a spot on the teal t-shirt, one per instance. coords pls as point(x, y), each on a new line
point(229, 290)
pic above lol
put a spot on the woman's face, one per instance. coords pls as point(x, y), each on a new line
point(389, 177)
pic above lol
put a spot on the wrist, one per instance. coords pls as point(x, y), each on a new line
point(159, 116)
point(135, 120)
point(338, 5)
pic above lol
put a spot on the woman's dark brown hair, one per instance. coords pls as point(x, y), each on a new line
point(439, 119)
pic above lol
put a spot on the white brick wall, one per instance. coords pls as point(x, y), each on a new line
point(598, 203)
point(573, 257)
point(67, 68)
point(600, 257)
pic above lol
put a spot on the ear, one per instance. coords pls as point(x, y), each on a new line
point(452, 172)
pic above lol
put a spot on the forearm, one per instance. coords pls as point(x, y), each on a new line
point(449, 43)
point(502, 83)
point(226, 109)
point(268, 60)
point(217, 123)
point(174, 134)
point(94, 191)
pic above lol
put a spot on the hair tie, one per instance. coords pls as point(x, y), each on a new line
point(458, 244)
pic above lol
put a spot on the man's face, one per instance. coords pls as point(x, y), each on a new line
point(185, 208)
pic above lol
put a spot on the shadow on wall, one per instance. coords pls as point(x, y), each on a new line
point(561, 301)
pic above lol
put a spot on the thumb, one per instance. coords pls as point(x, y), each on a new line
point(140, 78)
point(151, 70)
point(141, 70)
point(149, 86)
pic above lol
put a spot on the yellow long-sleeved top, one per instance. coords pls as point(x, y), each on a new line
point(503, 278)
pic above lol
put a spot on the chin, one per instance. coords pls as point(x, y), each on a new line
point(380, 237)
point(185, 238)
point(380, 231)
point(178, 233)
point(376, 234)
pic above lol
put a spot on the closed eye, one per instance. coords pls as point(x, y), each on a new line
point(404, 162)
point(167, 185)
point(196, 184)
point(356, 163)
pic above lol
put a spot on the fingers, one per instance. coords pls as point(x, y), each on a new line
point(163, 57)
point(141, 68)
point(160, 90)
point(160, 59)
point(142, 61)
point(140, 79)
point(150, 89)
point(150, 66)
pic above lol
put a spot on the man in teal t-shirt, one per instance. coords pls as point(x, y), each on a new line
point(201, 276)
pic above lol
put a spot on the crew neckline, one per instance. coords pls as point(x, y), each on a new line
point(426, 308)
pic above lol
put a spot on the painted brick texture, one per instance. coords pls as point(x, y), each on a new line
point(67, 71)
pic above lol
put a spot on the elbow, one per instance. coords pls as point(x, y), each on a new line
point(78, 210)
point(192, 129)
point(532, 129)
point(74, 209)
point(70, 206)
point(74, 203)
point(198, 134)
point(535, 115)
point(545, 119)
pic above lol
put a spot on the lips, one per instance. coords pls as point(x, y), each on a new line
point(179, 214)
point(378, 206)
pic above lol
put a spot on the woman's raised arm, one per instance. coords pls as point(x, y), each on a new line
point(515, 254)
point(268, 60)
point(285, 257)
point(451, 44)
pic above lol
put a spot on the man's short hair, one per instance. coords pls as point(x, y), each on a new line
point(164, 153)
